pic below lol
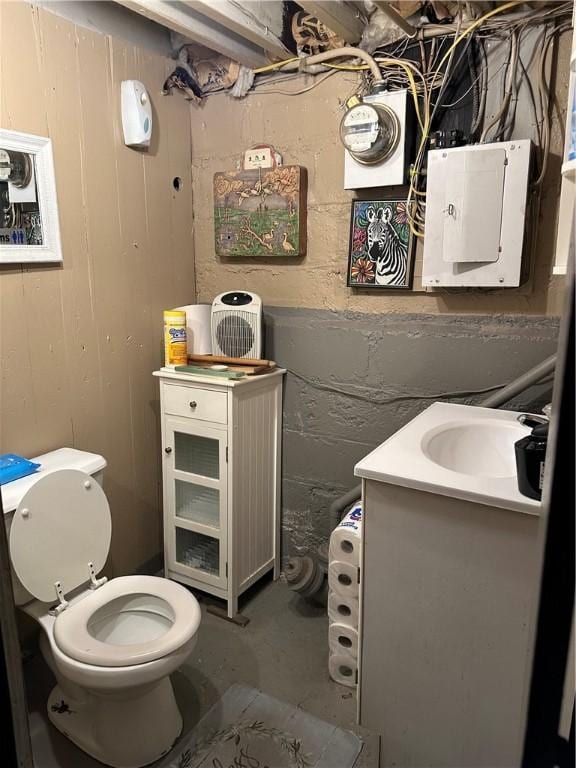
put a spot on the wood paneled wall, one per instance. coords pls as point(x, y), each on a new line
point(78, 342)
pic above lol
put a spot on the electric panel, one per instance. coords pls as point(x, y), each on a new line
point(476, 200)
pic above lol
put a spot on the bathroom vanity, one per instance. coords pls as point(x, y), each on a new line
point(449, 579)
point(221, 442)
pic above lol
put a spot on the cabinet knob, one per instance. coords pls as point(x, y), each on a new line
point(168, 450)
point(193, 404)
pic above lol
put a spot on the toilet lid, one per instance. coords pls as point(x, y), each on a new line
point(61, 524)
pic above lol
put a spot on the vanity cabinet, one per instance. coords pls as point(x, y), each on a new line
point(450, 569)
point(221, 443)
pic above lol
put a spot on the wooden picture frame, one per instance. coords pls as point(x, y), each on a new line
point(39, 149)
point(260, 212)
point(381, 252)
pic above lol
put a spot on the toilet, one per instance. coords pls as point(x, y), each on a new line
point(111, 645)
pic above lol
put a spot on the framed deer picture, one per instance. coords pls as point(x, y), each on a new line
point(381, 245)
point(260, 212)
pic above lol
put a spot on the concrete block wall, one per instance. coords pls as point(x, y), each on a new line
point(354, 379)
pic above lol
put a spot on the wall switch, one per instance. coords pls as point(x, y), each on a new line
point(261, 157)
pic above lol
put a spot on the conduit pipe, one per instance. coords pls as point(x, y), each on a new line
point(533, 376)
point(337, 53)
point(339, 505)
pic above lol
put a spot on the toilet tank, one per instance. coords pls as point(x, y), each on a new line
point(63, 458)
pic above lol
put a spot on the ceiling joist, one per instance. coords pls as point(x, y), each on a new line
point(259, 21)
point(405, 26)
point(181, 18)
point(342, 18)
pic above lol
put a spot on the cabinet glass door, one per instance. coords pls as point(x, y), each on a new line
point(195, 457)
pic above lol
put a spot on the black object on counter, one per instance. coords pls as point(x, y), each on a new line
point(530, 457)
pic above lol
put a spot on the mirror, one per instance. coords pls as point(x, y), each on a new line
point(29, 230)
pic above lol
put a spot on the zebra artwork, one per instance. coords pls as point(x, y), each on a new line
point(381, 245)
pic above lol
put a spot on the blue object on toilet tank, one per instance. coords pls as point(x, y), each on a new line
point(14, 467)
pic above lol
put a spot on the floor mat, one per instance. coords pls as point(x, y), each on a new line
point(248, 729)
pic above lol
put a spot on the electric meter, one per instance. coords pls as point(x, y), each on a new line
point(370, 132)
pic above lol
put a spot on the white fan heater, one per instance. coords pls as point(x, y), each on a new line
point(237, 325)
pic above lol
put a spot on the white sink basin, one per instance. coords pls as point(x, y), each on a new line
point(455, 450)
point(479, 447)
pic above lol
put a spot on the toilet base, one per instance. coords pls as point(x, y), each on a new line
point(124, 729)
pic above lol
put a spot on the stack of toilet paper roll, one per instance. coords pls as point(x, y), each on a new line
point(343, 593)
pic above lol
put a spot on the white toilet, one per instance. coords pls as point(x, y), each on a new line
point(111, 644)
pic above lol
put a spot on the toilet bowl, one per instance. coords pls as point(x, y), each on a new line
point(110, 644)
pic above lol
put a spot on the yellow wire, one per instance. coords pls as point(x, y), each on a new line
point(276, 65)
point(385, 62)
point(446, 55)
point(475, 25)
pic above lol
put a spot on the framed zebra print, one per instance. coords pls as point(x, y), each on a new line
point(381, 245)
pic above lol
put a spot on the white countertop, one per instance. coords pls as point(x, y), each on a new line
point(191, 378)
point(402, 460)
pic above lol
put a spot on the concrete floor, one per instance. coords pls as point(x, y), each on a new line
point(283, 651)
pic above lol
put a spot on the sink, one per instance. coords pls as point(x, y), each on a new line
point(482, 448)
point(462, 451)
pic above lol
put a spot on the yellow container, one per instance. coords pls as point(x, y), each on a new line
point(175, 349)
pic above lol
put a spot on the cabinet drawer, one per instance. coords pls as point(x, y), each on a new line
point(192, 402)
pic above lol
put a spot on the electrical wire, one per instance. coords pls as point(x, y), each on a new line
point(510, 64)
point(467, 91)
point(475, 78)
point(483, 91)
point(375, 400)
point(318, 81)
point(544, 99)
point(431, 79)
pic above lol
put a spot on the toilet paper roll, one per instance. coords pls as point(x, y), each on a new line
point(346, 538)
point(343, 669)
point(198, 333)
point(343, 578)
point(343, 640)
point(343, 609)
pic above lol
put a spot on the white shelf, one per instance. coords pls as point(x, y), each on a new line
point(569, 168)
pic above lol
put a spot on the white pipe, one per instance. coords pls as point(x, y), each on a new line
point(338, 53)
point(533, 376)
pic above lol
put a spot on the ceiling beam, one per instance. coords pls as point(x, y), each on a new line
point(396, 18)
point(199, 29)
point(343, 19)
point(257, 21)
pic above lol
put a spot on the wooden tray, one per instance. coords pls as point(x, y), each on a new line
point(245, 365)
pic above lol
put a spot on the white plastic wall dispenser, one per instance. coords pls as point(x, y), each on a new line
point(136, 114)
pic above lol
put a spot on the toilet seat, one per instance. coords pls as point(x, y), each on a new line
point(60, 532)
point(72, 627)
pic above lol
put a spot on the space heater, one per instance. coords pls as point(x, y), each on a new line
point(237, 325)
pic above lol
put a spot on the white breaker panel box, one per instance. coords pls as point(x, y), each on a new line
point(475, 215)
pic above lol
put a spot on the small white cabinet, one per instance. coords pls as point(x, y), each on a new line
point(221, 480)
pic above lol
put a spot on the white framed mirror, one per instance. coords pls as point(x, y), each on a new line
point(29, 227)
